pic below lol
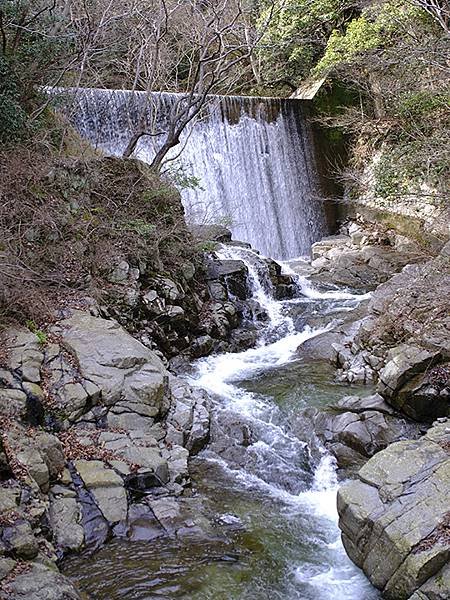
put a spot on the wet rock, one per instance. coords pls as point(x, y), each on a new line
point(106, 487)
point(188, 420)
point(166, 511)
point(148, 458)
point(178, 464)
point(217, 291)
point(202, 346)
point(395, 516)
point(233, 273)
point(321, 347)
point(42, 583)
point(243, 339)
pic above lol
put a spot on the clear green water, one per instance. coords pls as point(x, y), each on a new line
point(262, 522)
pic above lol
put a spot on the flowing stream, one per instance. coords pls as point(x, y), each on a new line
point(264, 483)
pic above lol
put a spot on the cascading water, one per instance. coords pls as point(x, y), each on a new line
point(254, 159)
point(276, 463)
point(266, 481)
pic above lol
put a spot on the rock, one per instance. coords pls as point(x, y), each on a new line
point(321, 247)
point(65, 521)
point(178, 464)
point(188, 271)
point(120, 273)
point(217, 291)
point(153, 302)
point(395, 516)
point(9, 499)
point(132, 379)
point(42, 583)
point(20, 540)
point(403, 362)
point(214, 233)
point(168, 289)
point(24, 354)
point(148, 458)
point(106, 487)
point(174, 313)
point(233, 273)
point(41, 454)
point(33, 390)
point(166, 511)
point(435, 588)
point(357, 428)
point(51, 450)
point(188, 420)
point(71, 395)
point(6, 566)
point(423, 398)
point(13, 403)
point(321, 347)
point(336, 260)
point(406, 381)
point(202, 346)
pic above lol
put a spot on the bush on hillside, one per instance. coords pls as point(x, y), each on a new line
point(65, 222)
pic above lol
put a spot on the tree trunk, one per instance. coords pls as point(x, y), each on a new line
point(162, 153)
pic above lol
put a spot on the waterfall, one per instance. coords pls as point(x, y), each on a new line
point(253, 158)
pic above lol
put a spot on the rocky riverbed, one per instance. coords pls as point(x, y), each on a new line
point(104, 424)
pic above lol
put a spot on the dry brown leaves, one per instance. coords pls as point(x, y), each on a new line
point(440, 535)
point(20, 568)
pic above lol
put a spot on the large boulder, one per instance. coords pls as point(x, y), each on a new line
point(107, 488)
point(233, 275)
point(355, 428)
point(65, 519)
point(41, 583)
point(131, 378)
point(395, 516)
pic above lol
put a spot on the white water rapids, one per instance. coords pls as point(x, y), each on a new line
point(273, 465)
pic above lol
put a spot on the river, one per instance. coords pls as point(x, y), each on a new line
point(264, 486)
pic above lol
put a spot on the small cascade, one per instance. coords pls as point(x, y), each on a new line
point(260, 285)
point(253, 157)
point(272, 461)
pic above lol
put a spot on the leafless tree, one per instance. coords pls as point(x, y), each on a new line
point(439, 10)
point(215, 42)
